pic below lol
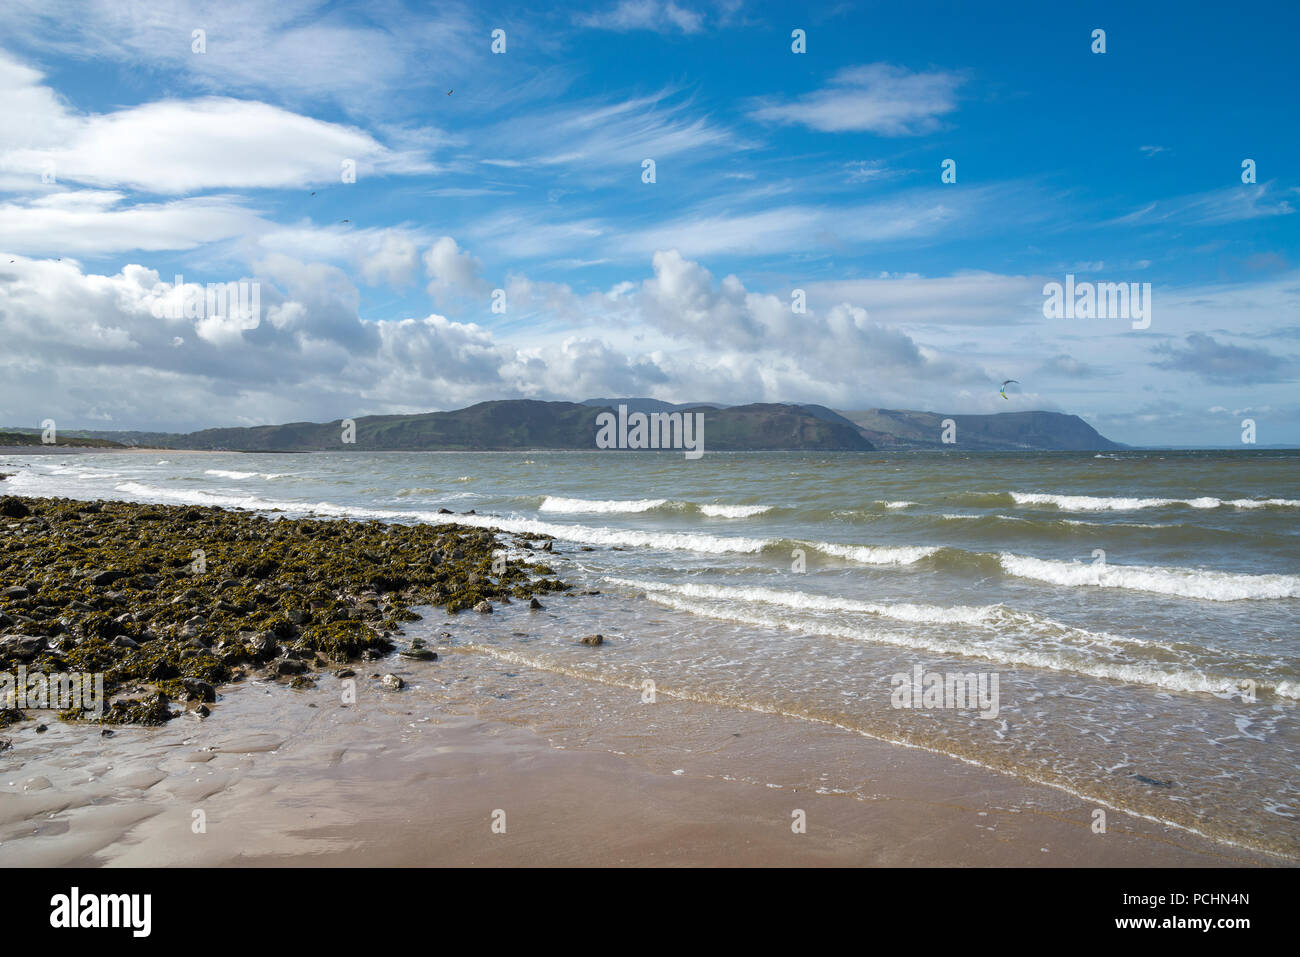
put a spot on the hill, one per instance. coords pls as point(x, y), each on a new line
point(526, 424)
point(533, 424)
point(1003, 431)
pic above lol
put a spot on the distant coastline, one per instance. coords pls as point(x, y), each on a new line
point(526, 424)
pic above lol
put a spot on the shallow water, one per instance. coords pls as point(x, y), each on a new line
point(1131, 605)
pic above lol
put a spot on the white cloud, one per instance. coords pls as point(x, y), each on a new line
point(180, 146)
point(303, 51)
point(394, 262)
point(452, 270)
point(93, 223)
point(657, 15)
point(877, 98)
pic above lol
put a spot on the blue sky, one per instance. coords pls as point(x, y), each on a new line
point(774, 171)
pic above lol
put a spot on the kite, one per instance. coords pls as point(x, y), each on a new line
point(1003, 391)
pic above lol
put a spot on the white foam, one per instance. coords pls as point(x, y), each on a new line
point(734, 511)
point(878, 554)
point(240, 476)
point(584, 534)
point(1000, 649)
point(554, 503)
point(899, 611)
point(1096, 503)
point(1182, 582)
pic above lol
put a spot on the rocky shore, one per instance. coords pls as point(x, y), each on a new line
point(169, 603)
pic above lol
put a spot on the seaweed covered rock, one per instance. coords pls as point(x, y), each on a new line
point(169, 603)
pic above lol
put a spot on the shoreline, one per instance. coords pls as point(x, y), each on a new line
point(293, 778)
point(287, 760)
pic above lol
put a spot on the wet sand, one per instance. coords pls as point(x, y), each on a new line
point(283, 777)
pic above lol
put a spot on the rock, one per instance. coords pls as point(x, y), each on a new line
point(505, 600)
point(100, 579)
point(297, 617)
point(196, 690)
point(202, 711)
point(265, 647)
point(392, 683)
point(419, 654)
point(484, 607)
point(289, 666)
point(345, 673)
point(593, 640)
point(190, 629)
point(125, 641)
point(13, 508)
point(548, 546)
point(17, 592)
point(535, 605)
point(444, 511)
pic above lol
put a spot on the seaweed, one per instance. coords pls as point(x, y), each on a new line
point(176, 601)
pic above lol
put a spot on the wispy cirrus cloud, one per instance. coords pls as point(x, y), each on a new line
point(875, 98)
point(661, 16)
point(297, 51)
point(1228, 204)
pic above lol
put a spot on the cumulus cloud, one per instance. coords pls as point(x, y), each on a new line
point(394, 262)
point(310, 354)
point(452, 270)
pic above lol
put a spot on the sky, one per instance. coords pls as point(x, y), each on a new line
point(661, 198)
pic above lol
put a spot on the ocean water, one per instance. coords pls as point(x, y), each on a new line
point(1138, 610)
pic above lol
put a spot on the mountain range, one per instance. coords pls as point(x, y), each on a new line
point(533, 424)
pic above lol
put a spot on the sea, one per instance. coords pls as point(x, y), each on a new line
point(1129, 618)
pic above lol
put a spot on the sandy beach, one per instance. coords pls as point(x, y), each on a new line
point(285, 777)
